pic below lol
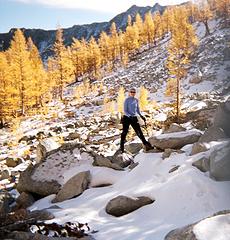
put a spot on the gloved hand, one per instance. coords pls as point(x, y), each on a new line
point(143, 118)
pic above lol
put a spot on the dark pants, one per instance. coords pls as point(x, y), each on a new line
point(133, 121)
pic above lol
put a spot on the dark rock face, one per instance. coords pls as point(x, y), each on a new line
point(5, 201)
point(45, 39)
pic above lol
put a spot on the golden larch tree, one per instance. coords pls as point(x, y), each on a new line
point(114, 43)
point(180, 49)
point(143, 98)
point(120, 100)
point(94, 58)
point(22, 71)
point(40, 80)
point(63, 64)
point(131, 37)
point(148, 28)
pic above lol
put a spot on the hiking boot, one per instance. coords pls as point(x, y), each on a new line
point(147, 146)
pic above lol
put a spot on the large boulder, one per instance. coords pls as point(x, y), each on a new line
point(45, 146)
point(199, 147)
point(122, 205)
point(73, 187)
point(5, 201)
point(42, 186)
point(24, 200)
point(222, 117)
point(200, 230)
point(47, 176)
point(122, 160)
point(134, 147)
point(203, 164)
point(220, 163)
point(174, 127)
point(175, 140)
point(102, 161)
point(212, 134)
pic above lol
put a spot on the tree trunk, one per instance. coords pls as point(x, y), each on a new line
point(207, 28)
point(178, 100)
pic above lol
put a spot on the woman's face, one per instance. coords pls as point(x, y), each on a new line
point(132, 93)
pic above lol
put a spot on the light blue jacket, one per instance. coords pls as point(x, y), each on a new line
point(131, 107)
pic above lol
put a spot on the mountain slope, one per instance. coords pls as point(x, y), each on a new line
point(44, 39)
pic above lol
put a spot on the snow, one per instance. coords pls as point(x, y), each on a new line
point(193, 105)
point(213, 228)
point(160, 117)
point(179, 134)
point(182, 197)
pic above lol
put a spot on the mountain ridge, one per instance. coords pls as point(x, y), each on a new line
point(44, 39)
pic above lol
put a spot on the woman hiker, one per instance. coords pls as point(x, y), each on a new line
point(131, 110)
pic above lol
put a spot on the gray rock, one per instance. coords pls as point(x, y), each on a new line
point(73, 187)
point(173, 169)
point(122, 160)
point(102, 161)
point(41, 215)
point(186, 233)
point(226, 53)
point(24, 200)
point(175, 140)
point(222, 117)
point(199, 147)
point(167, 153)
point(73, 136)
point(11, 162)
point(5, 174)
point(122, 205)
point(195, 79)
point(27, 184)
point(203, 164)
point(5, 201)
point(174, 127)
point(19, 235)
point(212, 134)
point(220, 163)
point(133, 148)
point(133, 165)
point(27, 138)
point(45, 146)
